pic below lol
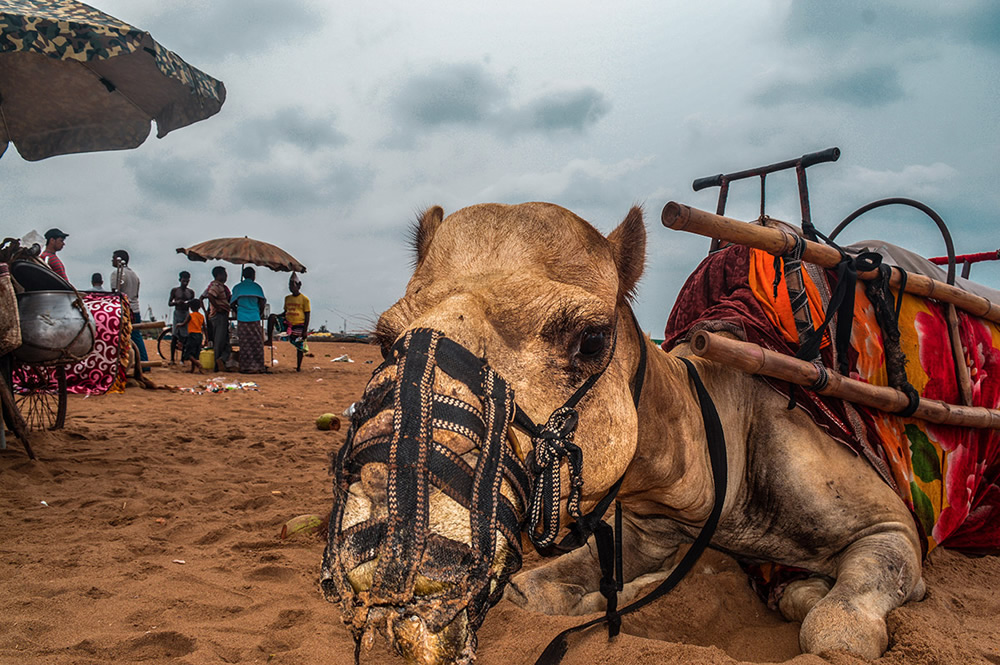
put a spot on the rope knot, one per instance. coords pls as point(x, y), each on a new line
point(552, 444)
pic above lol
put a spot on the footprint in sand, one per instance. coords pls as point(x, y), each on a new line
point(155, 646)
point(272, 573)
point(290, 619)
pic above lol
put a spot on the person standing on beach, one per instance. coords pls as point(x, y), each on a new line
point(180, 296)
point(294, 320)
point(124, 280)
point(249, 300)
point(218, 296)
point(55, 240)
point(194, 324)
point(97, 282)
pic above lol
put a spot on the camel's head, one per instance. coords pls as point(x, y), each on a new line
point(510, 310)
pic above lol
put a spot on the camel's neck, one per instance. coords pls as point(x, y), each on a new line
point(670, 472)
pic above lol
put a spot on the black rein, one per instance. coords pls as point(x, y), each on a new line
point(557, 648)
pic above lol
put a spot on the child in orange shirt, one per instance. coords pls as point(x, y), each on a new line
point(195, 323)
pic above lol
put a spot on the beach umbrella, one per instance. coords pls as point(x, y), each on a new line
point(241, 251)
point(74, 79)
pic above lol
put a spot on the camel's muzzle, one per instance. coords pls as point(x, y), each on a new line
point(429, 500)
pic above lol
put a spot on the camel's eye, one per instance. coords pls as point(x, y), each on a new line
point(592, 343)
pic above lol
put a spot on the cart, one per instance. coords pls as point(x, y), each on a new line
point(55, 330)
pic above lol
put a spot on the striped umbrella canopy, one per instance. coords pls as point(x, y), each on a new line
point(242, 251)
point(74, 79)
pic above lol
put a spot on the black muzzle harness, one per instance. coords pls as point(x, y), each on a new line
point(415, 387)
point(409, 388)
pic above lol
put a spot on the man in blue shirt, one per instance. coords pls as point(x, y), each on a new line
point(249, 300)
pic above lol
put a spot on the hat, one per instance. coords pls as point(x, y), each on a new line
point(55, 233)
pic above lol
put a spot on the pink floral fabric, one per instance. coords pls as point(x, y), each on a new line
point(103, 369)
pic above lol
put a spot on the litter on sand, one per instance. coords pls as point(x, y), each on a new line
point(216, 386)
point(342, 359)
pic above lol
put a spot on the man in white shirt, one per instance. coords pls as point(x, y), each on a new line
point(124, 280)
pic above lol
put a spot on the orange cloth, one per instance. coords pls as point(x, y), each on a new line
point(779, 310)
point(196, 321)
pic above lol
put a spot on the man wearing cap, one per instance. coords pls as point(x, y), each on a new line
point(55, 240)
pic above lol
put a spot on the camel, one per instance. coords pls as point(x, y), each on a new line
point(542, 300)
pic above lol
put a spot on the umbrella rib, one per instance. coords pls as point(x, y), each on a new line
point(114, 89)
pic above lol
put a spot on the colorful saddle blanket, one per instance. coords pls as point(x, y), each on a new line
point(949, 477)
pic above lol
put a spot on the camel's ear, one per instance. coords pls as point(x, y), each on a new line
point(423, 232)
point(628, 242)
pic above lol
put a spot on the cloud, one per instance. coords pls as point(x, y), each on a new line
point(213, 30)
point(868, 87)
point(585, 186)
point(467, 94)
point(297, 189)
point(850, 20)
point(571, 110)
point(256, 137)
point(450, 95)
point(922, 181)
point(174, 180)
point(981, 24)
point(845, 23)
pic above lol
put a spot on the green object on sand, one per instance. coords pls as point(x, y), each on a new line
point(328, 421)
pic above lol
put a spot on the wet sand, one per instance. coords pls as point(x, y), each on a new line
point(159, 542)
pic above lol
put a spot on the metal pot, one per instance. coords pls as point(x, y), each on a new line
point(55, 328)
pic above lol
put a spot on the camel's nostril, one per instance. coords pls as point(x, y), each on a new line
point(374, 476)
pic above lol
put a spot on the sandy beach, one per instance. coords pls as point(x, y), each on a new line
point(149, 530)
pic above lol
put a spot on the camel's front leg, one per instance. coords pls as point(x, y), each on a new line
point(876, 574)
point(570, 584)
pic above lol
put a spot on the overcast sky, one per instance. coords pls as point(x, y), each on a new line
point(344, 120)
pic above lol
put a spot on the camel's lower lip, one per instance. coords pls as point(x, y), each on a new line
point(415, 642)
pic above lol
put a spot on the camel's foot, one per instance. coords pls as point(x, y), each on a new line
point(842, 626)
point(541, 595)
point(801, 596)
point(531, 591)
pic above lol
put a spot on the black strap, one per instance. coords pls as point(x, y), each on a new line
point(581, 529)
point(555, 439)
point(716, 437)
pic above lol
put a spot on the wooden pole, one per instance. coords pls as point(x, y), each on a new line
point(754, 359)
point(962, 374)
point(149, 325)
point(12, 415)
point(680, 217)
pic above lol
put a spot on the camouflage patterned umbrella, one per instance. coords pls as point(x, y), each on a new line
point(73, 79)
point(241, 251)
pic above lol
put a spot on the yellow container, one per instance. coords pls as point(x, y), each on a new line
point(207, 359)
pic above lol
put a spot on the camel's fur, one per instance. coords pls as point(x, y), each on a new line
point(519, 285)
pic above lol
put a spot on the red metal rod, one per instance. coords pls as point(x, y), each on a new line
point(968, 258)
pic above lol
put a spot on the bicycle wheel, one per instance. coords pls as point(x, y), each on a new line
point(160, 339)
point(41, 396)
